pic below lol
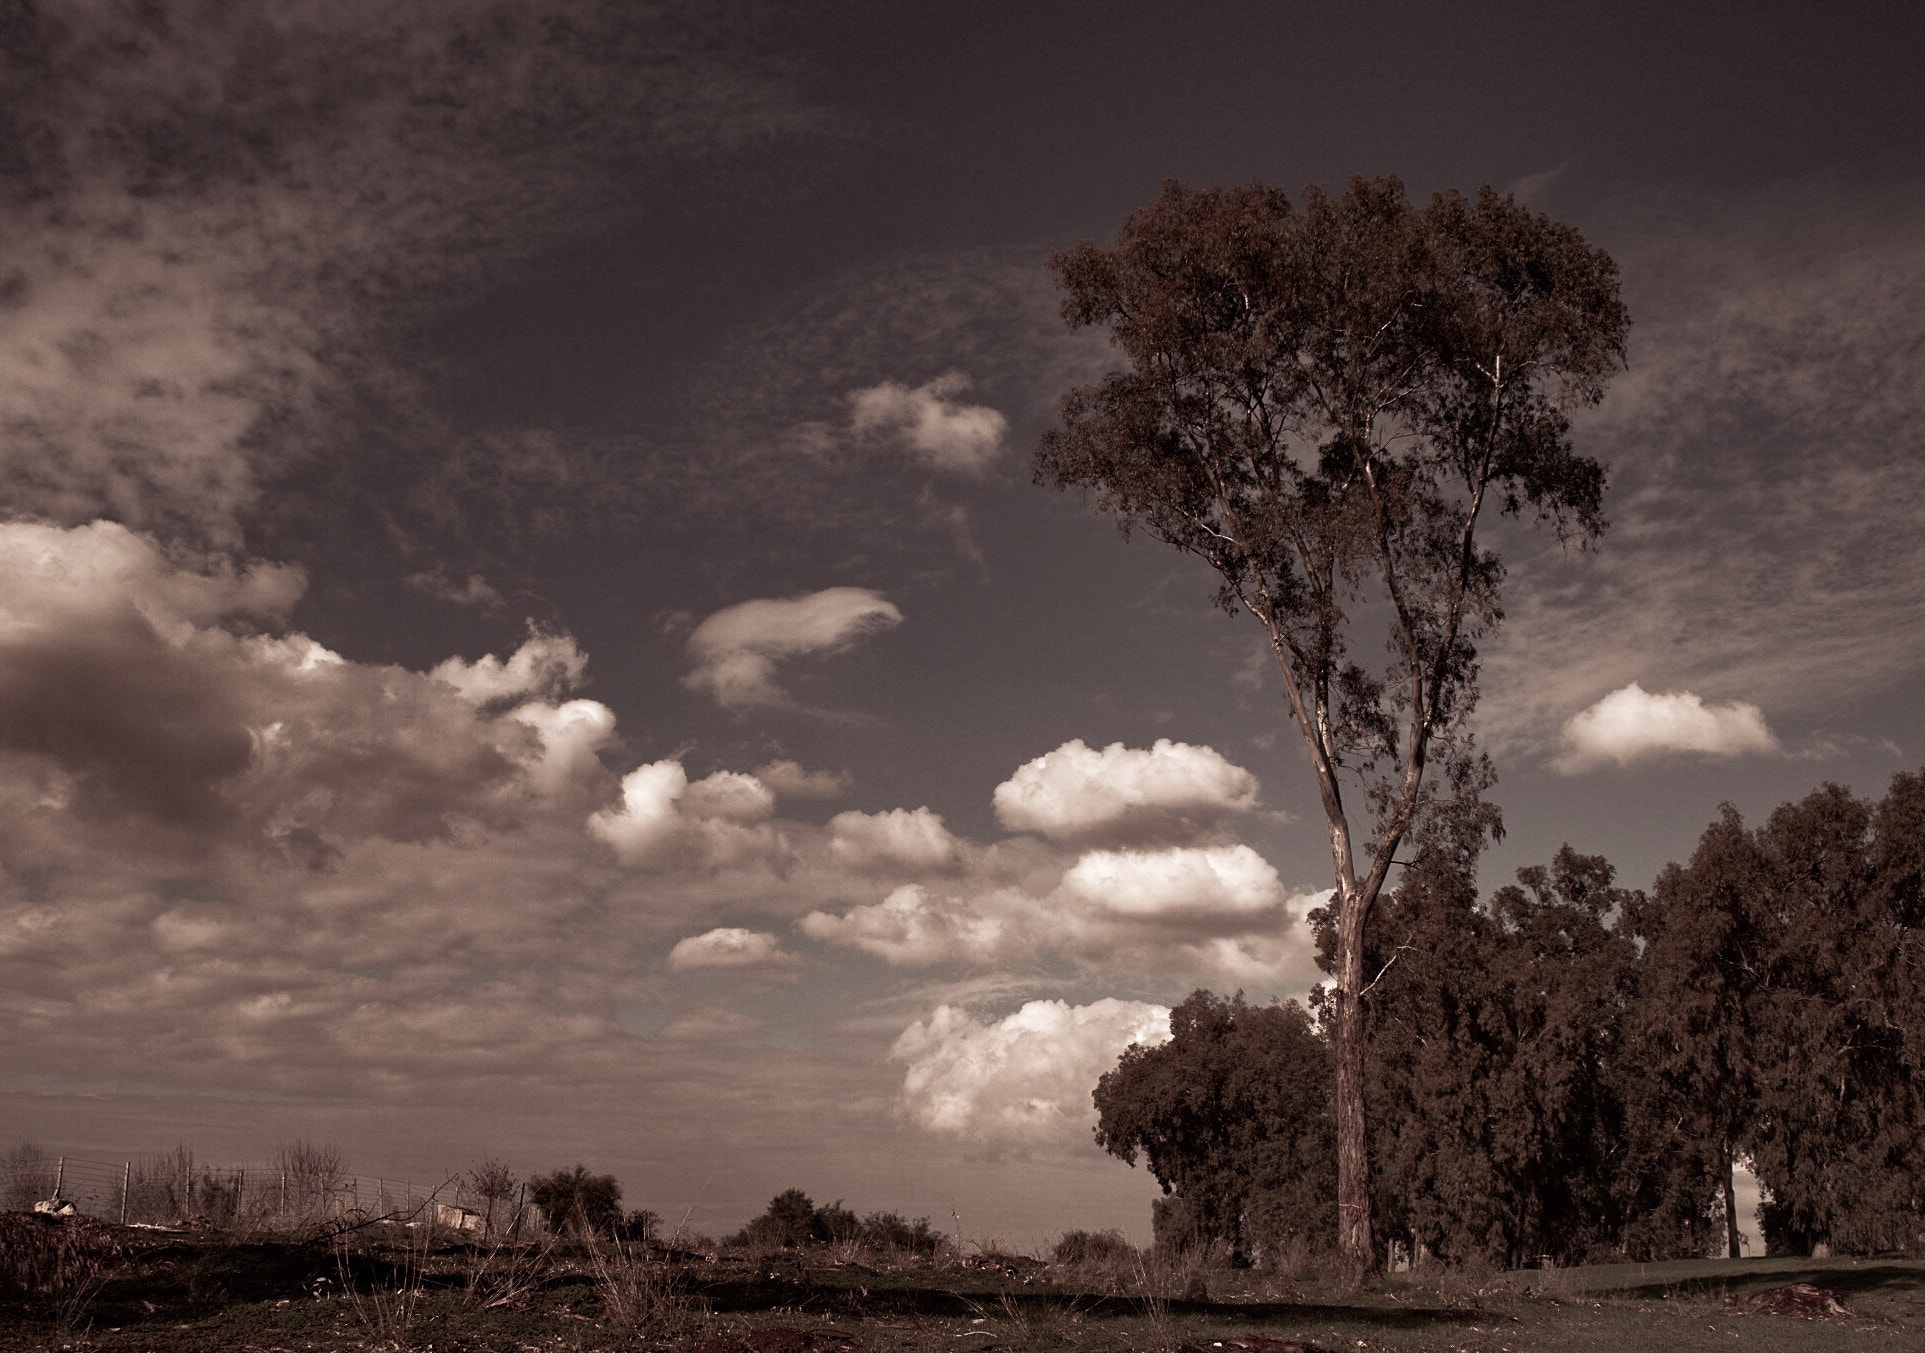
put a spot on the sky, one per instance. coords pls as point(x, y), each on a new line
point(526, 630)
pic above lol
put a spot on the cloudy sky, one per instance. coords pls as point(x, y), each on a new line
point(526, 631)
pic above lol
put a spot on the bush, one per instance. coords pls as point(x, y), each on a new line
point(575, 1201)
point(1092, 1249)
point(789, 1223)
point(888, 1231)
point(26, 1176)
point(793, 1221)
point(41, 1258)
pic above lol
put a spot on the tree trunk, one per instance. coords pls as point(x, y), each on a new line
point(1353, 1160)
point(1734, 1245)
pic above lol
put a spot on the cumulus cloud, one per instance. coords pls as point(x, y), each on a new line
point(545, 665)
point(913, 928)
point(726, 947)
point(1024, 1080)
point(1171, 791)
point(1183, 885)
point(137, 678)
point(737, 649)
point(895, 841)
point(932, 424)
point(1220, 911)
point(1632, 724)
point(665, 822)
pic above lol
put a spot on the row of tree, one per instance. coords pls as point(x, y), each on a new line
point(1571, 1070)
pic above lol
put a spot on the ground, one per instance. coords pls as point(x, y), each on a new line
point(106, 1288)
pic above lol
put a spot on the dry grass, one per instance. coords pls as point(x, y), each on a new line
point(394, 1287)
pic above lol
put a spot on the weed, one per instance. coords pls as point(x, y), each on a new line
point(643, 1295)
point(387, 1311)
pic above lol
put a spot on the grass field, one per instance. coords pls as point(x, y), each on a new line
point(118, 1290)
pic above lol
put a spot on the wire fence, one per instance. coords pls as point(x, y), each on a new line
point(302, 1192)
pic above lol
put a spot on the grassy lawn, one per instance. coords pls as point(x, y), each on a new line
point(189, 1293)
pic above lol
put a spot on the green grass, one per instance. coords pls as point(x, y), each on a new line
point(174, 1294)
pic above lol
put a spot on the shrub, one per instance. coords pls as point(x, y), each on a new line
point(788, 1223)
point(26, 1176)
point(888, 1231)
point(1091, 1249)
point(574, 1200)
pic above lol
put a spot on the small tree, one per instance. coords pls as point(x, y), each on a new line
point(1325, 404)
point(573, 1201)
point(493, 1184)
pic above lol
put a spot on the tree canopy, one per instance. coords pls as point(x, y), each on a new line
point(1572, 1070)
point(1232, 1116)
point(1322, 401)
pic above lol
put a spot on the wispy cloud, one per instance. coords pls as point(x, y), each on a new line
point(219, 215)
point(1764, 481)
point(736, 651)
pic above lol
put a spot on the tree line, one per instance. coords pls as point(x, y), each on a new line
point(1569, 1071)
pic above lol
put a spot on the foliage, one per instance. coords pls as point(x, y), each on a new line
point(493, 1184)
point(574, 1201)
point(1812, 921)
point(1321, 401)
point(1232, 1115)
point(793, 1221)
point(889, 1231)
point(1093, 1249)
point(1570, 1071)
point(47, 1259)
point(1494, 1061)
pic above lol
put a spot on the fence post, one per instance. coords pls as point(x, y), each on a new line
point(521, 1196)
point(240, 1197)
point(59, 1175)
point(284, 1195)
point(126, 1176)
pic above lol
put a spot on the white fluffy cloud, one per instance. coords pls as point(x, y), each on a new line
point(934, 426)
point(664, 822)
point(1632, 724)
point(1172, 791)
point(1025, 1080)
point(1188, 884)
point(545, 665)
point(725, 947)
point(896, 841)
point(1219, 911)
point(914, 928)
point(737, 649)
